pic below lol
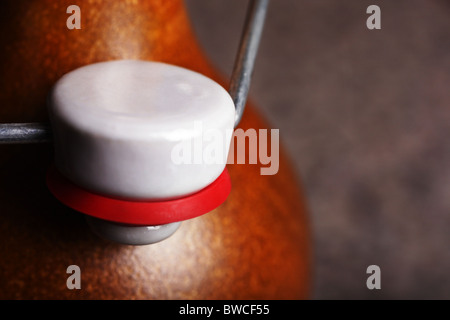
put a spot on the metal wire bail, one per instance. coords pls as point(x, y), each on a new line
point(16, 133)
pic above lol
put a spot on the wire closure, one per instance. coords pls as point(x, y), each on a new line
point(245, 60)
point(15, 133)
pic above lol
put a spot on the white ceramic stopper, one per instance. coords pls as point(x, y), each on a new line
point(140, 130)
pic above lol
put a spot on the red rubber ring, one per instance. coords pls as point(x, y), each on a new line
point(139, 212)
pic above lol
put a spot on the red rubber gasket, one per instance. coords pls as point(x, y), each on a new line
point(139, 212)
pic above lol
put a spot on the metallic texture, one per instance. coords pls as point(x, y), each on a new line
point(245, 60)
point(24, 133)
point(131, 235)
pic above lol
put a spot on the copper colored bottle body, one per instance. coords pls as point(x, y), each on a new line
point(255, 246)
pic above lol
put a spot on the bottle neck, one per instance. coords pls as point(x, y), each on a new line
point(39, 48)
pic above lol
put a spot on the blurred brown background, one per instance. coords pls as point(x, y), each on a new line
point(365, 115)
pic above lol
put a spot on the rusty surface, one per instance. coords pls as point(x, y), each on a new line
point(255, 246)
